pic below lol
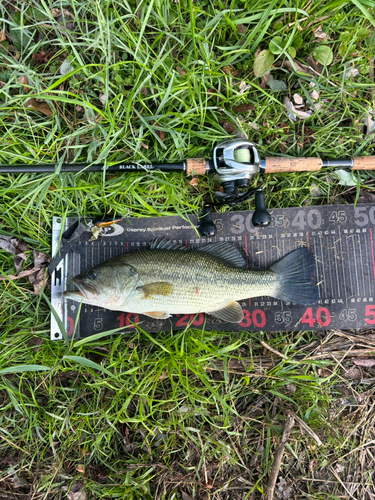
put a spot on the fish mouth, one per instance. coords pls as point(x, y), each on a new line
point(85, 291)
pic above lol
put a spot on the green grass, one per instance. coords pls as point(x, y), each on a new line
point(201, 413)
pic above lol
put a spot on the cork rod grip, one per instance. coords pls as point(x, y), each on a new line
point(364, 163)
point(281, 164)
point(196, 166)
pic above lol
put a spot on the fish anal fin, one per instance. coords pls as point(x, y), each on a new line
point(157, 314)
point(158, 288)
point(231, 313)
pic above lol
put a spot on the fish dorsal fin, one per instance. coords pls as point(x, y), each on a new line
point(158, 288)
point(226, 252)
point(165, 244)
point(231, 313)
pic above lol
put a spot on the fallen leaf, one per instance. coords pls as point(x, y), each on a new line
point(284, 489)
point(320, 34)
point(185, 496)
point(228, 127)
point(19, 482)
point(25, 82)
point(351, 73)
point(42, 57)
point(323, 54)
point(2, 36)
point(345, 177)
point(276, 84)
point(263, 62)
point(242, 108)
point(42, 107)
point(80, 468)
point(297, 99)
point(39, 280)
point(292, 112)
point(66, 67)
point(364, 362)
point(354, 373)
point(41, 258)
point(339, 468)
point(79, 495)
point(18, 261)
point(298, 67)
point(193, 182)
point(7, 244)
point(243, 87)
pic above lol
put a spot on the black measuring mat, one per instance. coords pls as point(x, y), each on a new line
point(340, 236)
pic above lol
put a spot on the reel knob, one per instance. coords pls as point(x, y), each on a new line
point(261, 216)
point(207, 226)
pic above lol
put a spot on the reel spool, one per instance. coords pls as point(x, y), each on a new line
point(236, 163)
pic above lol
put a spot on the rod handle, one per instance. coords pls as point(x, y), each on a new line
point(364, 163)
point(277, 164)
point(197, 166)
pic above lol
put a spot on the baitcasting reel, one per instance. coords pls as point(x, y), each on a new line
point(235, 164)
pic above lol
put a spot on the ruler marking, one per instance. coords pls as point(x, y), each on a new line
point(372, 250)
point(323, 270)
point(362, 273)
point(355, 265)
point(335, 259)
point(329, 268)
point(344, 279)
point(349, 267)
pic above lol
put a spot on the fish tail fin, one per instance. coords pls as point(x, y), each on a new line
point(295, 272)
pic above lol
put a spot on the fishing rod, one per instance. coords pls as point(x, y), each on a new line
point(234, 164)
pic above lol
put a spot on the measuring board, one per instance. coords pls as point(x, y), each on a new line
point(340, 236)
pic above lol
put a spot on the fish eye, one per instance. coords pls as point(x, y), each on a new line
point(91, 275)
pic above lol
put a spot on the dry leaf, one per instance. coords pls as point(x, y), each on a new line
point(7, 244)
point(242, 108)
point(80, 468)
point(365, 362)
point(243, 87)
point(25, 82)
point(351, 73)
point(354, 373)
point(193, 182)
point(42, 107)
point(76, 492)
point(297, 99)
point(78, 495)
point(185, 496)
point(320, 34)
point(41, 258)
point(339, 468)
point(293, 112)
point(284, 490)
point(2, 36)
point(42, 57)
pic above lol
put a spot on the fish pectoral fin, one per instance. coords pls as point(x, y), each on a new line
point(157, 314)
point(158, 288)
point(232, 313)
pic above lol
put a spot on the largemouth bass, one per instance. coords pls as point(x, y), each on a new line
point(169, 279)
